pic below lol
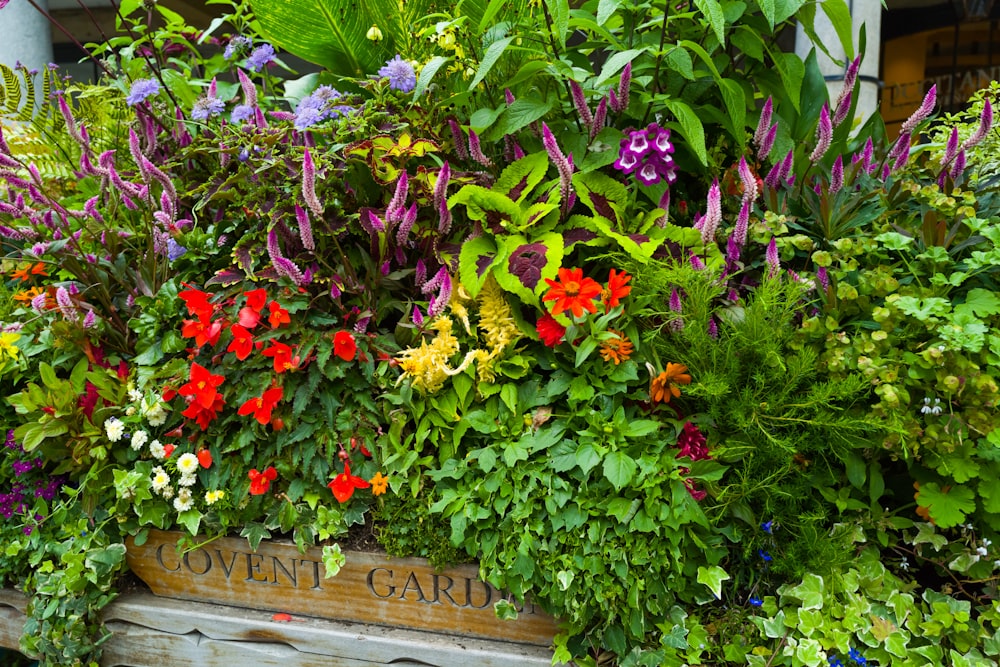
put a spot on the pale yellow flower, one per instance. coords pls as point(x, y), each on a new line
point(428, 364)
point(7, 347)
point(496, 319)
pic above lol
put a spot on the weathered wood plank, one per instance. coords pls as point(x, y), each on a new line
point(12, 621)
point(370, 588)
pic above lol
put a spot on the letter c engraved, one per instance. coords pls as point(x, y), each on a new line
point(159, 559)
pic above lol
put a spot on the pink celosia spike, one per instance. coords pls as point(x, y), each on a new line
point(564, 166)
point(624, 84)
point(985, 123)
point(765, 121)
point(441, 199)
point(748, 180)
point(742, 224)
point(309, 185)
point(841, 110)
point(713, 214)
point(768, 143)
point(458, 138)
point(951, 148)
point(580, 102)
point(824, 135)
point(959, 166)
point(923, 111)
point(305, 228)
point(600, 117)
point(476, 152)
point(249, 89)
point(397, 205)
point(405, 225)
point(771, 258)
point(837, 175)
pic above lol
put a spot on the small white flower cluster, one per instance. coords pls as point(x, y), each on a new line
point(929, 409)
point(114, 428)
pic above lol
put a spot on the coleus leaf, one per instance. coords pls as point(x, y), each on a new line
point(519, 179)
point(475, 261)
point(529, 263)
point(603, 195)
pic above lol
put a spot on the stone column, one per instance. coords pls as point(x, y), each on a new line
point(866, 13)
point(26, 37)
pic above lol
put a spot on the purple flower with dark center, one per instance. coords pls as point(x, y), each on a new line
point(260, 57)
point(400, 73)
point(207, 107)
point(141, 90)
point(647, 153)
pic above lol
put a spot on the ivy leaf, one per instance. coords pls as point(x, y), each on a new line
point(809, 652)
point(190, 519)
point(810, 591)
point(713, 577)
point(619, 469)
point(948, 506)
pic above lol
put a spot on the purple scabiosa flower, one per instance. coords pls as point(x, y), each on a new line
point(141, 90)
point(985, 123)
point(923, 111)
point(241, 112)
point(824, 134)
point(400, 73)
point(236, 45)
point(771, 258)
point(260, 57)
point(837, 175)
point(207, 107)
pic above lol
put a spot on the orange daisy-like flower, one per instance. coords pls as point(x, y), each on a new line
point(572, 292)
point(664, 385)
point(380, 483)
point(25, 296)
point(617, 289)
point(617, 349)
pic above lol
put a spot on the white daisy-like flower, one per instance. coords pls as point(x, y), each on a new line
point(129, 411)
point(134, 395)
point(155, 414)
point(184, 500)
point(187, 480)
point(212, 497)
point(187, 464)
point(114, 428)
point(161, 479)
point(156, 449)
point(139, 438)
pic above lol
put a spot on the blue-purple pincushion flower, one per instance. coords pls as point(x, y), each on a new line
point(142, 89)
point(647, 153)
point(318, 106)
point(400, 73)
point(260, 57)
point(207, 107)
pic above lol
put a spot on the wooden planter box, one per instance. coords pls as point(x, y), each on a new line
point(370, 588)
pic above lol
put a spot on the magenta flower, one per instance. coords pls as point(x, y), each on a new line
point(922, 112)
point(824, 134)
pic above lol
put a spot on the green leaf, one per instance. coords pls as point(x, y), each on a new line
point(619, 469)
point(680, 61)
point(691, 127)
point(736, 106)
point(427, 73)
point(767, 9)
point(605, 8)
point(809, 592)
point(559, 11)
point(792, 71)
point(809, 651)
point(518, 180)
point(191, 520)
point(983, 302)
point(840, 16)
point(855, 470)
point(520, 114)
point(712, 11)
point(490, 59)
point(476, 250)
point(333, 560)
point(948, 507)
point(615, 64)
point(713, 577)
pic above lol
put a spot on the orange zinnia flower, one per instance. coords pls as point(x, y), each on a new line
point(616, 289)
point(25, 296)
point(617, 349)
point(572, 292)
point(664, 385)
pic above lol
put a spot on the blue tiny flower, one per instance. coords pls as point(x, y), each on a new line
point(768, 527)
point(756, 601)
point(855, 655)
point(764, 556)
point(174, 250)
point(260, 57)
point(834, 661)
point(400, 73)
point(142, 89)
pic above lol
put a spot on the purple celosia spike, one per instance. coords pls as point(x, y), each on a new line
point(903, 156)
point(36, 195)
point(161, 178)
point(418, 317)
point(434, 283)
point(824, 135)
point(923, 111)
point(286, 267)
point(866, 156)
point(959, 166)
point(580, 102)
point(786, 167)
point(764, 123)
point(951, 149)
point(9, 162)
point(249, 89)
point(180, 133)
point(713, 214)
point(742, 225)
point(837, 175)
point(212, 91)
point(66, 305)
point(985, 123)
point(676, 307)
point(4, 148)
point(508, 96)
point(518, 151)
point(441, 199)
point(476, 152)
point(696, 263)
point(67, 115)
point(732, 253)
point(305, 228)
point(397, 205)
point(713, 328)
point(134, 149)
point(458, 138)
point(309, 185)
point(841, 110)
point(563, 165)
point(38, 303)
point(377, 225)
point(768, 143)
point(823, 278)
point(406, 224)
point(273, 249)
point(624, 84)
point(90, 207)
point(748, 180)
point(439, 302)
point(9, 210)
point(14, 180)
point(600, 117)
point(420, 275)
point(771, 258)
point(614, 102)
point(90, 320)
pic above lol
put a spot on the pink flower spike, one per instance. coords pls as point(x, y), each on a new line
point(249, 89)
point(837, 175)
point(922, 112)
point(742, 225)
point(305, 228)
point(212, 90)
point(824, 135)
point(713, 214)
point(458, 138)
point(842, 108)
point(748, 180)
point(600, 117)
point(985, 123)
point(771, 257)
point(763, 123)
point(563, 165)
point(309, 185)
point(959, 166)
point(624, 84)
point(580, 102)
point(768, 144)
point(418, 317)
point(951, 148)
point(476, 151)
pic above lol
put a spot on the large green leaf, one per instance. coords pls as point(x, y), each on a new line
point(840, 16)
point(713, 14)
point(691, 127)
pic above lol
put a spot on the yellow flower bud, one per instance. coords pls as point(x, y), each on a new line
point(374, 34)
